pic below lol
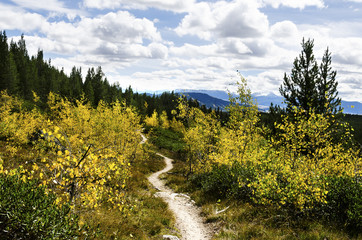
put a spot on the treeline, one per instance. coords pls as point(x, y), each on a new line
point(21, 75)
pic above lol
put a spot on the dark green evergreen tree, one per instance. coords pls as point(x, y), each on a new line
point(98, 86)
point(327, 87)
point(41, 86)
point(310, 87)
point(4, 62)
point(76, 84)
point(8, 72)
point(87, 87)
point(22, 61)
point(13, 76)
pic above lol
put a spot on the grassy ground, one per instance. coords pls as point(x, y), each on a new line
point(149, 217)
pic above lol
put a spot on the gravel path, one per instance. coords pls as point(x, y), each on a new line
point(188, 219)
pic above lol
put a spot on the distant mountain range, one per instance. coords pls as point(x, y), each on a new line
point(207, 100)
point(220, 99)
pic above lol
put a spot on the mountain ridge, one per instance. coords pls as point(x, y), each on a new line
point(219, 98)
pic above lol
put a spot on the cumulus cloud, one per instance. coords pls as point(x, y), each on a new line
point(234, 46)
point(120, 34)
point(121, 27)
point(283, 29)
point(241, 19)
point(199, 21)
point(15, 18)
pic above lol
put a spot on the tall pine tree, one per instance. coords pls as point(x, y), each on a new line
point(4, 62)
point(310, 87)
point(327, 87)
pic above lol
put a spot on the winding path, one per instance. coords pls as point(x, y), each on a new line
point(188, 219)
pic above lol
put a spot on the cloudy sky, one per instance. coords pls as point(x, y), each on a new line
point(156, 45)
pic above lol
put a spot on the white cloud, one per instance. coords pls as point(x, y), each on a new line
point(53, 6)
point(233, 45)
point(356, 1)
point(158, 50)
point(15, 18)
point(284, 29)
point(189, 78)
point(199, 21)
point(121, 27)
point(301, 4)
point(114, 40)
point(263, 82)
point(49, 5)
point(194, 51)
point(347, 51)
point(119, 34)
point(241, 19)
point(171, 5)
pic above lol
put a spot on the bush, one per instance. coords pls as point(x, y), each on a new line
point(225, 182)
point(344, 202)
point(168, 139)
point(27, 212)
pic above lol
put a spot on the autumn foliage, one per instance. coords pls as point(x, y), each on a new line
point(292, 169)
point(79, 153)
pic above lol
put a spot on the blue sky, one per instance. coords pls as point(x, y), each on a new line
point(157, 45)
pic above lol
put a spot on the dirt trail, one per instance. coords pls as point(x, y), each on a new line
point(187, 215)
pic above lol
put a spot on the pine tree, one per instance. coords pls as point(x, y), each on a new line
point(327, 87)
point(310, 87)
point(98, 86)
point(13, 76)
point(4, 62)
point(76, 83)
point(22, 61)
point(87, 87)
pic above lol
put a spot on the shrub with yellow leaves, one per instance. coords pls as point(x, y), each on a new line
point(88, 151)
point(153, 120)
point(291, 169)
point(82, 155)
point(16, 123)
point(301, 159)
point(200, 136)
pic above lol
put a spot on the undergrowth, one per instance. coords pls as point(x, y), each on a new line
point(149, 217)
point(236, 218)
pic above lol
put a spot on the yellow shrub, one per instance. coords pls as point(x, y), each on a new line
point(153, 120)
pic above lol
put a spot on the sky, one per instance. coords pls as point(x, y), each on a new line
point(164, 45)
